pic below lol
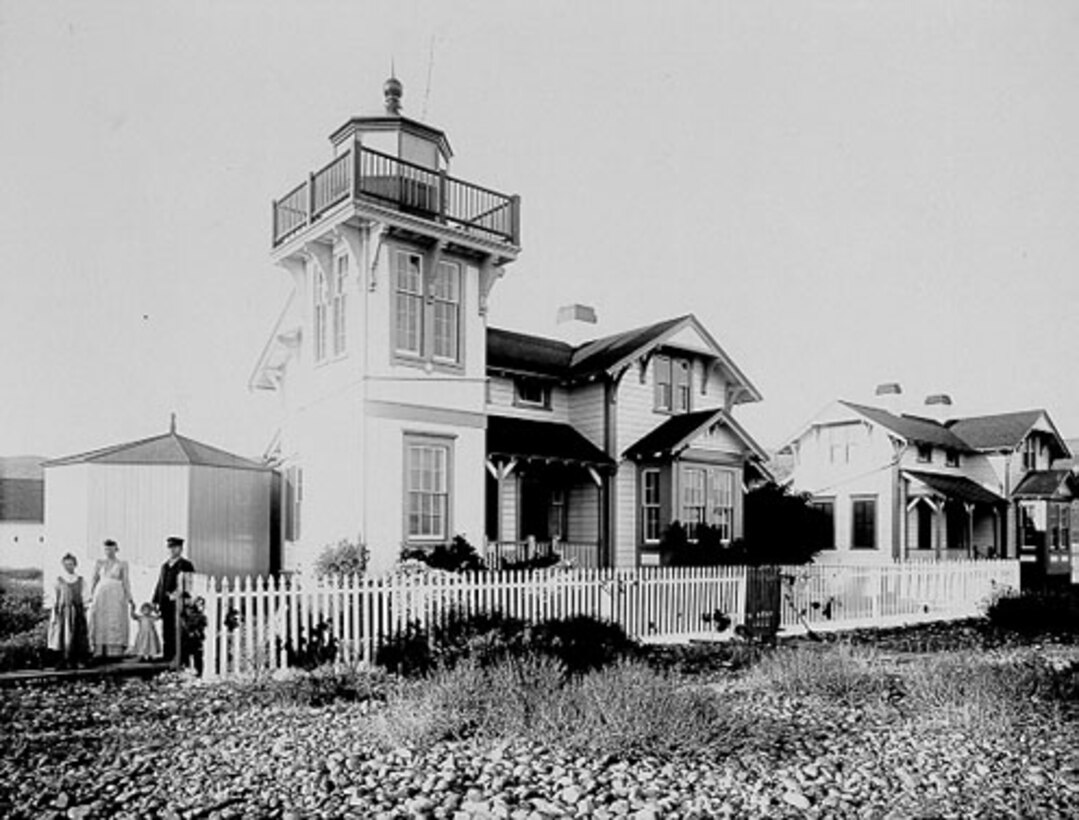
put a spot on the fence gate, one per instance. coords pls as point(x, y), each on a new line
point(763, 598)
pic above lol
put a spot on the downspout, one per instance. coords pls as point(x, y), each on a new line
point(607, 525)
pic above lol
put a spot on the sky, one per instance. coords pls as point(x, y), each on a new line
point(844, 193)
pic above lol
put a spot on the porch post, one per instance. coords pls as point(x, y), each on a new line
point(971, 553)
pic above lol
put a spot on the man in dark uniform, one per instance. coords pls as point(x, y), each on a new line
point(167, 593)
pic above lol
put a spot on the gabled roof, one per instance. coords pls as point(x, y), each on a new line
point(911, 428)
point(546, 440)
point(513, 352)
point(1004, 431)
point(678, 432)
point(958, 487)
point(170, 448)
point(1045, 484)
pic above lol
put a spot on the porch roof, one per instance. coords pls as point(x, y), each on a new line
point(1045, 484)
point(546, 440)
point(957, 487)
point(678, 432)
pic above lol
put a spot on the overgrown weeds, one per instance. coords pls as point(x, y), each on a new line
point(1037, 612)
point(841, 673)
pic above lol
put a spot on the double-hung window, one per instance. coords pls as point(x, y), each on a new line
point(693, 500)
point(446, 294)
point(340, 278)
point(322, 301)
point(721, 502)
point(650, 506)
point(408, 303)
point(672, 384)
point(822, 531)
point(427, 488)
point(864, 523)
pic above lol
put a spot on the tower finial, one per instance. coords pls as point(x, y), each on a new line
point(393, 91)
point(172, 424)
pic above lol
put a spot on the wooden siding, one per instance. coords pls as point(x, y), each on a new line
point(586, 413)
point(583, 514)
point(625, 547)
point(500, 394)
point(230, 521)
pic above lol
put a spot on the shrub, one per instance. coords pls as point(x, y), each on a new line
point(1036, 612)
point(314, 650)
point(458, 556)
point(627, 710)
point(837, 672)
point(25, 650)
point(343, 558)
point(579, 643)
point(22, 604)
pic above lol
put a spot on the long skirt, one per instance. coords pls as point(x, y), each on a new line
point(109, 618)
point(68, 633)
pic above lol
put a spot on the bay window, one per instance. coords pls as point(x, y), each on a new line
point(693, 500)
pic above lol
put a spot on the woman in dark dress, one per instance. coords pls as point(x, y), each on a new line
point(68, 633)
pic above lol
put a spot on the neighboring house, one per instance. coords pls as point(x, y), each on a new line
point(139, 493)
point(905, 486)
point(397, 400)
point(22, 511)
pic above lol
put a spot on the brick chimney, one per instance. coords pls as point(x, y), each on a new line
point(577, 324)
point(889, 396)
point(938, 407)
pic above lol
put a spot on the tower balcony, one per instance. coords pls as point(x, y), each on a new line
point(366, 176)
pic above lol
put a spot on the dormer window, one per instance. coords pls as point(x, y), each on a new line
point(951, 458)
point(532, 393)
point(925, 453)
point(672, 384)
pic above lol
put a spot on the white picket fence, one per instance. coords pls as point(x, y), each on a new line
point(252, 622)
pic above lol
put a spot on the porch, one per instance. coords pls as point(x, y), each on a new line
point(546, 489)
point(365, 175)
point(952, 517)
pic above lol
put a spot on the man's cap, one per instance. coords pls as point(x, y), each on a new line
point(174, 541)
point(109, 542)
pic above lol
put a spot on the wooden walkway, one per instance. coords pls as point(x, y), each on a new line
point(121, 669)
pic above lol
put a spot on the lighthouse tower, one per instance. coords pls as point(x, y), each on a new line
point(379, 356)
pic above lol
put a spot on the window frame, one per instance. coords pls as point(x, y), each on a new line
point(651, 510)
point(720, 510)
point(434, 443)
point(339, 305)
point(693, 515)
point(855, 501)
point(519, 400)
point(925, 453)
point(415, 299)
point(453, 303)
point(320, 284)
point(826, 504)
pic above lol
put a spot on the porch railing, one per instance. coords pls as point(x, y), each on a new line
point(365, 174)
point(583, 555)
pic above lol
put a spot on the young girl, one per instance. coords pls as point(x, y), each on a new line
point(147, 644)
point(68, 635)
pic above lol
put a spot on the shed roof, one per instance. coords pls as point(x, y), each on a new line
point(958, 487)
point(169, 448)
point(548, 440)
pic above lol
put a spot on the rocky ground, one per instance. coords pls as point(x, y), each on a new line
point(180, 749)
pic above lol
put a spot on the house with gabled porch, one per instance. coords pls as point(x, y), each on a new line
point(923, 485)
point(405, 420)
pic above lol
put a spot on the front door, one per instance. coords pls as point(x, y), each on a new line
point(925, 527)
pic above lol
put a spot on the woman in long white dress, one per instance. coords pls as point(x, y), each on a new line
point(111, 605)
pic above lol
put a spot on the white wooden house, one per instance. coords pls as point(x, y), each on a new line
point(139, 493)
point(405, 421)
point(904, 485)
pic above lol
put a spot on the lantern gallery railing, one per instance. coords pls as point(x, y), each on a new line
point(367, 175)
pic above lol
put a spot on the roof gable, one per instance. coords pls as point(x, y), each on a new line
point(1006, 431)
point(911, 428)
point(678, 432)
point(1046, 484)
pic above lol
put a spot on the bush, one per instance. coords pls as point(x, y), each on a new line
point(22, 605)
point(579, 643)
point(836, 672)
point(627, 710)
point(317, 649)
point(1036, 612)
point(457, 556)
point(343, 558)
point(25, 650)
